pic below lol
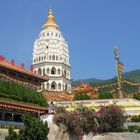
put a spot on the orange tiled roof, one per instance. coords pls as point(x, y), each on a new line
point(58, 96)
point(6, 64)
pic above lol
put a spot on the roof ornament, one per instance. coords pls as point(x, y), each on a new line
point(51, 20)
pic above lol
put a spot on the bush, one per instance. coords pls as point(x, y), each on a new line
point(82, 96)
point(85, 120)
point(135, 118)
point(112, 115)
point(21, 93)
point(12, 135)
point(136, 96)
point(134, 128)
point(34, 129)
point(105, 96)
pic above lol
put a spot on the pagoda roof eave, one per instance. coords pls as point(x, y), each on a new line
point(7, 65)
point(24, 107)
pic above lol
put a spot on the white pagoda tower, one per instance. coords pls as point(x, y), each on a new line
point(51, 57)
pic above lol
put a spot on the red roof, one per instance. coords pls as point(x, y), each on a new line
point(11, 66)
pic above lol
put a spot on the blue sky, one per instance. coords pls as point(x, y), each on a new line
point(91, 28)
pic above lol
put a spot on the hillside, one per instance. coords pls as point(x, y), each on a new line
point(133, 76)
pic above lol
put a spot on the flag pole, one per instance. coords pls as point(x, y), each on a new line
point(119, 68)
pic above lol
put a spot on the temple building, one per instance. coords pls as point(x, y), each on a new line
point(11, 110)
point(51, 57)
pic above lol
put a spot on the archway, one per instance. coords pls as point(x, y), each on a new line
point(53, 86)
point(39, 71)
point(48, 86)
point(58, 71)
point(59, 86)
point(48, 71)
point(53, 71)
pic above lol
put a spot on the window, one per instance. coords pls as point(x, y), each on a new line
point(43, 71)
point(39, 71)
point(65, 73)
point(56, 57)
point(53, 71)
point(58, 71)
point(50, 57)
point(53, 86)
point(48, 86)
point(53, 57)
point(59, 86)
point(48, 71)
point(66, 86)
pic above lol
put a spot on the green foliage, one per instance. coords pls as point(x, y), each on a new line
point(82, 96)
point(136, 96)
point(34, 129)
point(21, 93)
point(134, 128)
point(105, 96)
point(12, 135)
point(135, 118)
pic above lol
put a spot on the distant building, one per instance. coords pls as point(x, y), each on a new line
point(51, 57)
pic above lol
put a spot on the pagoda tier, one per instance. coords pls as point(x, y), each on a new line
point(18, 74)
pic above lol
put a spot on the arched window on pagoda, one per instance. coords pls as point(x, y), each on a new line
point(48, 71)
point(44, 57)
point(50, 57)
point(59, 86)
point(56, 57)
point(58, 71)
point(65, 73)
point(48, 86)
point(43, 71)
point(39, 71)
point(53, 71)
point(53, 57)
point(53, 86)
point(66, 86)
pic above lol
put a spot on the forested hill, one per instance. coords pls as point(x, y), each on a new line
point(133, 76)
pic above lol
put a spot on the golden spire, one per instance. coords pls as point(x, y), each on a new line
point(50, 21)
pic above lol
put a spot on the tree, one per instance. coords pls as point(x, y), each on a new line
point(12, 135)
point(34, 129)
point(82, 96)
point(105, 96)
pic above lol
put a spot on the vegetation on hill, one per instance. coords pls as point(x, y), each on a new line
point(133, 76)
point(19, 92)
point(82, 96)
point(110, 91)
point(105, 96)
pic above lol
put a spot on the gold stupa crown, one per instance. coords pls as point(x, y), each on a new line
point(50, 21)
